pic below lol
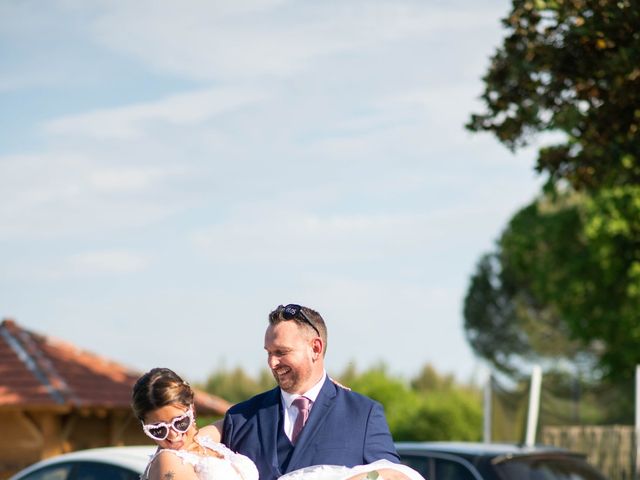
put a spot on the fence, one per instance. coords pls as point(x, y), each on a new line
point(611, 448)
point(568, 413)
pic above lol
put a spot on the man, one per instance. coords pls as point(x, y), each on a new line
point(307, 419)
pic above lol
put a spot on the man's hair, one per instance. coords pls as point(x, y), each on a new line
point(314, 318)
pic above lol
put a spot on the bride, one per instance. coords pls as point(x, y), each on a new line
point(164, 404)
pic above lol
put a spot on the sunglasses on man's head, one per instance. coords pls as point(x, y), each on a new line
point(292, 311)
point(160, 430)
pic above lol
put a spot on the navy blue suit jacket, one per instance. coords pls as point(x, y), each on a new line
point(344, 428)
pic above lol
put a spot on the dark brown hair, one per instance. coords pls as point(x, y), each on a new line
point(157, 388)
point(276, 316)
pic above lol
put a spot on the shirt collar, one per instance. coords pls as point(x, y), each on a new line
point(311, 394)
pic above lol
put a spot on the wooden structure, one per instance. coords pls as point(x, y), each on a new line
point(55, 398)
point(611, 448)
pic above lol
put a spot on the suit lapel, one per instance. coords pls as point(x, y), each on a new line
point(268, 427)
point(319, 410)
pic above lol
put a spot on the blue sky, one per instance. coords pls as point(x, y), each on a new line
point(172, 171)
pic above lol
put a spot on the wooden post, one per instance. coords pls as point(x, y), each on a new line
point(486, 430)
point(49, 426)
point(637, 429)
point(534, 406)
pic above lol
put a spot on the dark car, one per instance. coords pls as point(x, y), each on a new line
point(487, 461)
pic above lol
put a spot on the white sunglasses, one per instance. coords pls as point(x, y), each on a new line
point(160, 430)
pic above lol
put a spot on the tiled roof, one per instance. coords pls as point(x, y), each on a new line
point(39, 371)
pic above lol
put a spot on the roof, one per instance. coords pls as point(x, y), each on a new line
point(38, 371)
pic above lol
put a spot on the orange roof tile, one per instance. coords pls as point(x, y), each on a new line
point(37, 370)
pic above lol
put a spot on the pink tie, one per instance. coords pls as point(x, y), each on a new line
point(302, 404)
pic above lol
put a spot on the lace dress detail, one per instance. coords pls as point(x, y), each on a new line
point(232, 466)
point(337, 472)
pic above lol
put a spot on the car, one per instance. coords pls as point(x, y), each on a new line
point(493, 461)
point(434, 460)
point(108, 463)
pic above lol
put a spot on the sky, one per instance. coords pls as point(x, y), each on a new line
point(172, 171)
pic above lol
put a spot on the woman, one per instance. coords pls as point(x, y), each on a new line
point(164, 404)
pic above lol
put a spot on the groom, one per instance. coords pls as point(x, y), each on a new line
point(308, 419)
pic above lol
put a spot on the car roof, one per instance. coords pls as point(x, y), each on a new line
point(479, 448)
point(133, 457)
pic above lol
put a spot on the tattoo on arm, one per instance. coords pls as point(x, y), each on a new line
point(169, 475)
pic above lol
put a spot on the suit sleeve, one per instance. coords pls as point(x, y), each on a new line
point(227, 431)
point(378, 441)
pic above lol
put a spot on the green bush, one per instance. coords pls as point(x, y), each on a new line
point(429, 407)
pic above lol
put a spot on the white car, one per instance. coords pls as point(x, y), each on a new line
point(109, 463)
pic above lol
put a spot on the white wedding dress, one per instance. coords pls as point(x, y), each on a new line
point(235, 466)
point(232, 466)
point(337, 472)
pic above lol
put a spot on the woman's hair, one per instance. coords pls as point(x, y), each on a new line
point(157, 388)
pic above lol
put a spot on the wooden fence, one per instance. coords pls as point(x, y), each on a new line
point(611, 448)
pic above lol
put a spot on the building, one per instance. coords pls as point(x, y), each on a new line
point(55, 398)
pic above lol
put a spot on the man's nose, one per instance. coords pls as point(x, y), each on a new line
point(272, 361)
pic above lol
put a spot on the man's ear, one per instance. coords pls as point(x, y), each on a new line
point(317, 345)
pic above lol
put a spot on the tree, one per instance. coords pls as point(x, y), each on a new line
point(570, 66)
point(571, 260)
point(236, 385)
point(440, 416)
point(396, 397)
point(563, 285)
point(511, 310)
point(560, 291)
point(610, 312)
point(429, 379)
point(430, 407)
point(491, 324)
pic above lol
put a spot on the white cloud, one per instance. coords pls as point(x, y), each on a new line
point(107, 262)
point(327, 164)
point(304, 237)
point(221, 40)
point(65, 193)
point(186, 109)
point(89, 265)
point(127, 179)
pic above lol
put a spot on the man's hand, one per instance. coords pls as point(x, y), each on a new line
point(382, 474)
point(339, 384)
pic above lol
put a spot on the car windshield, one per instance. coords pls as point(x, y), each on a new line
point(546, 468)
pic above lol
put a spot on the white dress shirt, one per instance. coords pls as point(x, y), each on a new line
point(291, 412)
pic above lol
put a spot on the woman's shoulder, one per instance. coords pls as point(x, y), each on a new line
point(211, 431)
point(167, 463)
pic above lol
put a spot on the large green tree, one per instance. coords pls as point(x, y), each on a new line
point(569, 263)
point(570, 66)
point(559, 291)
point(512, 310)
point(562, 285)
